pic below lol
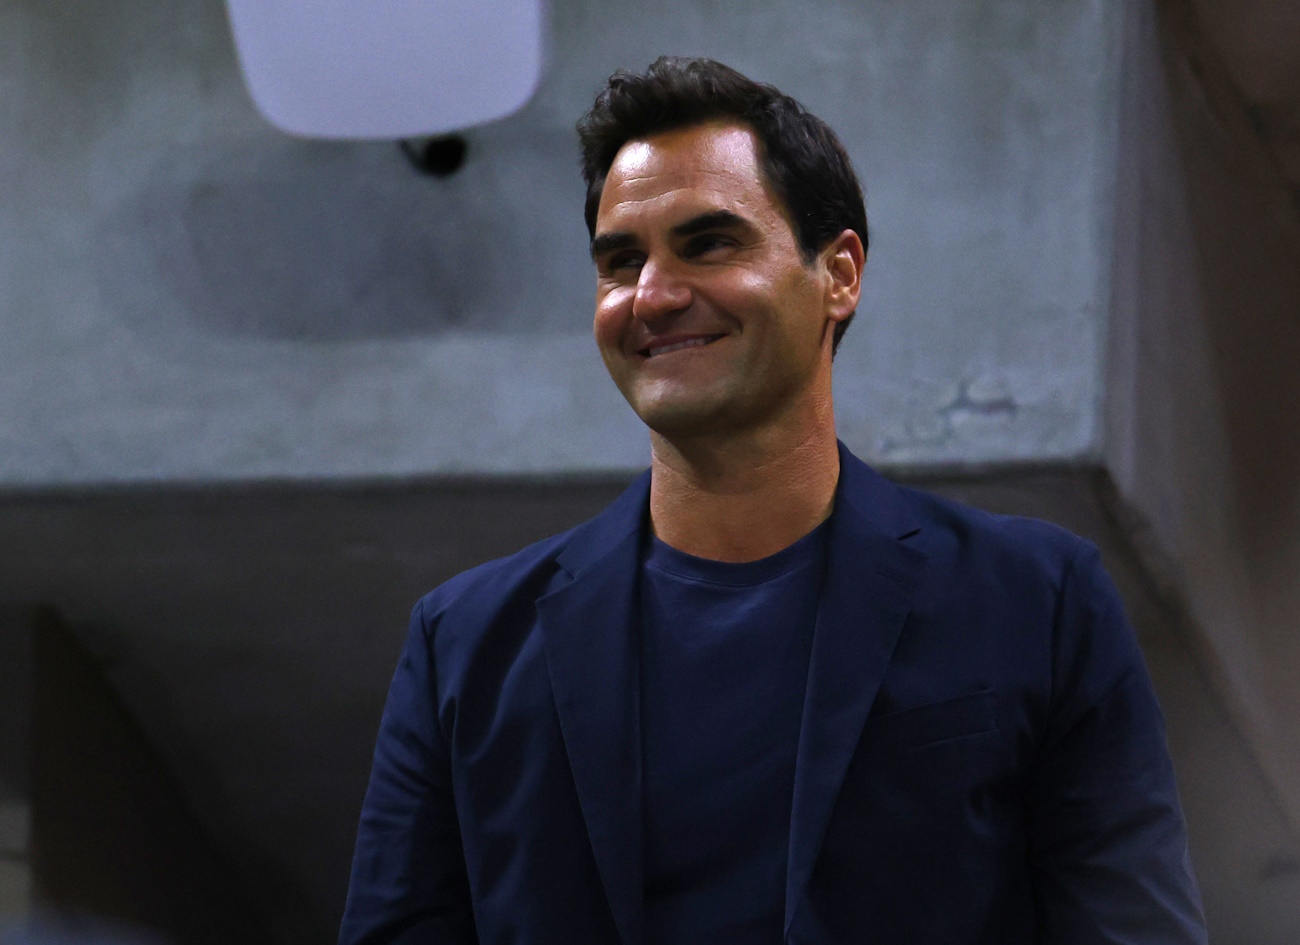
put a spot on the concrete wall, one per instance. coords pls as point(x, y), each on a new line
point(188, 294)
point(1204, 384)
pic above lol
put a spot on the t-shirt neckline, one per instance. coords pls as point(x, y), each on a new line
point(664, 558)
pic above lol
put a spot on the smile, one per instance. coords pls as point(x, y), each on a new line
point(679, 345)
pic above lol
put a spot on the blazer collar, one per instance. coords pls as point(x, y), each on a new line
point(590, 629)
point(590, 632)
point(870, 579)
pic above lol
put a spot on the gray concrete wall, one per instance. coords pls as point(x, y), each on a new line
point(1204, 383)
point(186, 294)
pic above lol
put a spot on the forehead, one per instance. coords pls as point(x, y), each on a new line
point(709, 166)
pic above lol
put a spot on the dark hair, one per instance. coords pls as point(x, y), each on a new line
point(802, 159)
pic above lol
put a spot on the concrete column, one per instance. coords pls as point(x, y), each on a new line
point(1203, 387)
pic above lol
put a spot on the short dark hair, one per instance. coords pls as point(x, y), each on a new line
point(804, 162)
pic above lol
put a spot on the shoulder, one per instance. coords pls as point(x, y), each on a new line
point(489, 587)
point(961, 544)
point(503, 593)
point(959, 538)
point(1011, 576)
point(1024, 601)
point(1026, 581)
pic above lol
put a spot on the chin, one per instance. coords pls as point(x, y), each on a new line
point(678, 420)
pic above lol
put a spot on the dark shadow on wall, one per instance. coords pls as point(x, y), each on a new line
point(1246, 236)
point(112, 835)
point(281, 239)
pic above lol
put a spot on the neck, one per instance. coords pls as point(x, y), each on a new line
point(745, 495)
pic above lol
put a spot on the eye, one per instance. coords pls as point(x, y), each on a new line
point(706, 243)
point(622, 262)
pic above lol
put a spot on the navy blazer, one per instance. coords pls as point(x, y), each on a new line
point(981, 758)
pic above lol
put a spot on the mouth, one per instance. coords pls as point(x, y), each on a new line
point(669, 345)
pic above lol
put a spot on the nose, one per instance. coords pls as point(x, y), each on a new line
point(659, 291)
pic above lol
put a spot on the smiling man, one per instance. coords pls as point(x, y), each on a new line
point(767, 696)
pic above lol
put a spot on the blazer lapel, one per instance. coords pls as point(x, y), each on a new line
point(870, 578)
point(590, 628)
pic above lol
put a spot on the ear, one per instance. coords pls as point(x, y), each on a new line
point(842, 261)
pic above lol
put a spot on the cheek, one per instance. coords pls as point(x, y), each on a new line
point(611, 319)
point(602, 321)
point(800, 304)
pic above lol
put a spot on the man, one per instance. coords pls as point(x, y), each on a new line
point(766, 696)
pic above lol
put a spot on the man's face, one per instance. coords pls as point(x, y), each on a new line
point(707, 316)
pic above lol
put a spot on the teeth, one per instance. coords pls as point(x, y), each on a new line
point(693, 343)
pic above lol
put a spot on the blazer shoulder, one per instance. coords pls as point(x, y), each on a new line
point(485, 588)
point(521, 578)
point(1005, 543)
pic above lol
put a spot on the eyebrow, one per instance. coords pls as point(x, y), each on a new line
point(712, 220)
point(609, 242)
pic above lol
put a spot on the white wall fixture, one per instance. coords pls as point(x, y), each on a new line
point(387, 68)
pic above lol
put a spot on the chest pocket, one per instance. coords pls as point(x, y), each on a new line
point(910, 729)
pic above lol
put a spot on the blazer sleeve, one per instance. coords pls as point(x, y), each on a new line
point(409, 884)
point(1108, 845)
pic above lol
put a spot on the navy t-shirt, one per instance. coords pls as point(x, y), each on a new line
point(724, 666)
